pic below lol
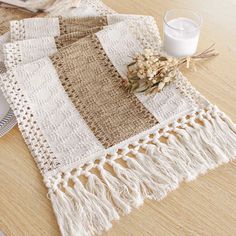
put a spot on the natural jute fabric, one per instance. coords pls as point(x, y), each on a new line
point(102, 150)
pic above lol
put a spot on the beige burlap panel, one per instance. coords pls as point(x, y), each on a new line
point(8, 14)
point(94, 86)
point(67, 39)
point(73, 24)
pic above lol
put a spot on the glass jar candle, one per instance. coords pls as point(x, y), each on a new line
point(181, 32)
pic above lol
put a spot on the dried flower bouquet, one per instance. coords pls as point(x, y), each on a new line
point(150, 72)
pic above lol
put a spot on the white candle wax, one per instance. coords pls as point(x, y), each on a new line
point(4, 107)
point(181, 37)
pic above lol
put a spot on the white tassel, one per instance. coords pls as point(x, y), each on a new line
point(66, 215)
point(120, 193)
point(130, 179)
point(160, 167)
point(225, 132)
point(90, 204)
point(96, 186)
point(199, 156)
point(150, 182)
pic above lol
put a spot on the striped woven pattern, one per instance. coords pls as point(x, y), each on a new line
point(100, 149)
point(7, 123)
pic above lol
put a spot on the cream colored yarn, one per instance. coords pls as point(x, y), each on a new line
point(101, 150)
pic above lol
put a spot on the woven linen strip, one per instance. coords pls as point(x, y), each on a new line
point(72, 29)
point(93, 178)
point(21, 52)
point(57, 26)
point(8, 14)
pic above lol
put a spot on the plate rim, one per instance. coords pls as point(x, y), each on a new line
point(7, 123)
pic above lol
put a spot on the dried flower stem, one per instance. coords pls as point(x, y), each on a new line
point(207, 53)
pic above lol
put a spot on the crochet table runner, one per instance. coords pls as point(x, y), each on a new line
point(101, 149)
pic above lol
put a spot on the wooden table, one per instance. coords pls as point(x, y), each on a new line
point(203, 207)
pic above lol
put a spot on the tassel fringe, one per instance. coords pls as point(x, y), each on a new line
point(87, 198)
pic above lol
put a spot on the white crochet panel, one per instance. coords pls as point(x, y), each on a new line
point(79, 8)
point(3, 39)
point(121, 42)
point(98, 7)
point(25, 51)
point(144, 27)
point(36, 28)
point(61, 124)
point(116, 18)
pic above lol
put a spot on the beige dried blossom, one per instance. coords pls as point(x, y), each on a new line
point(150, 72)
point(161, 85)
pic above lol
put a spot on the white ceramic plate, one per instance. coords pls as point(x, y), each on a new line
point(7, 118)
point(7, 123)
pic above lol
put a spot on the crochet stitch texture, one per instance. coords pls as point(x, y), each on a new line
point(101, 150)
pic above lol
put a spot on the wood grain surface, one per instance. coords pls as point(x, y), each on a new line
point(206, 206)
